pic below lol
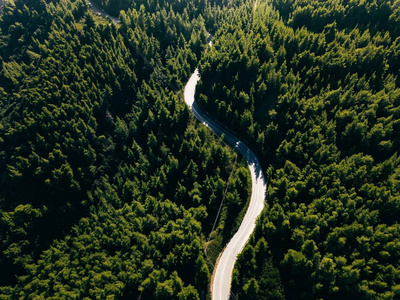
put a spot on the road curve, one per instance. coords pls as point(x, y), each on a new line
point(221, 284)
point(101, 12)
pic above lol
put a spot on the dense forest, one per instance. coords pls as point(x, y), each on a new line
point(108, 187)
point(313, 86)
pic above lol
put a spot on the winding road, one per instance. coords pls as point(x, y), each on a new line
point(222, 278)
point(101, 12)
point(221, 284)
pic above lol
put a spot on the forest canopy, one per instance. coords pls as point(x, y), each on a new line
point(314, 87)
point(110, 189)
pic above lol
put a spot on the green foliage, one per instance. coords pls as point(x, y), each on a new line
point(108, 188)
point(314, 87)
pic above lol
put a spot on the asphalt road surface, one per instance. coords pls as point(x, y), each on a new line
point(221, 284)
point(101, 12)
